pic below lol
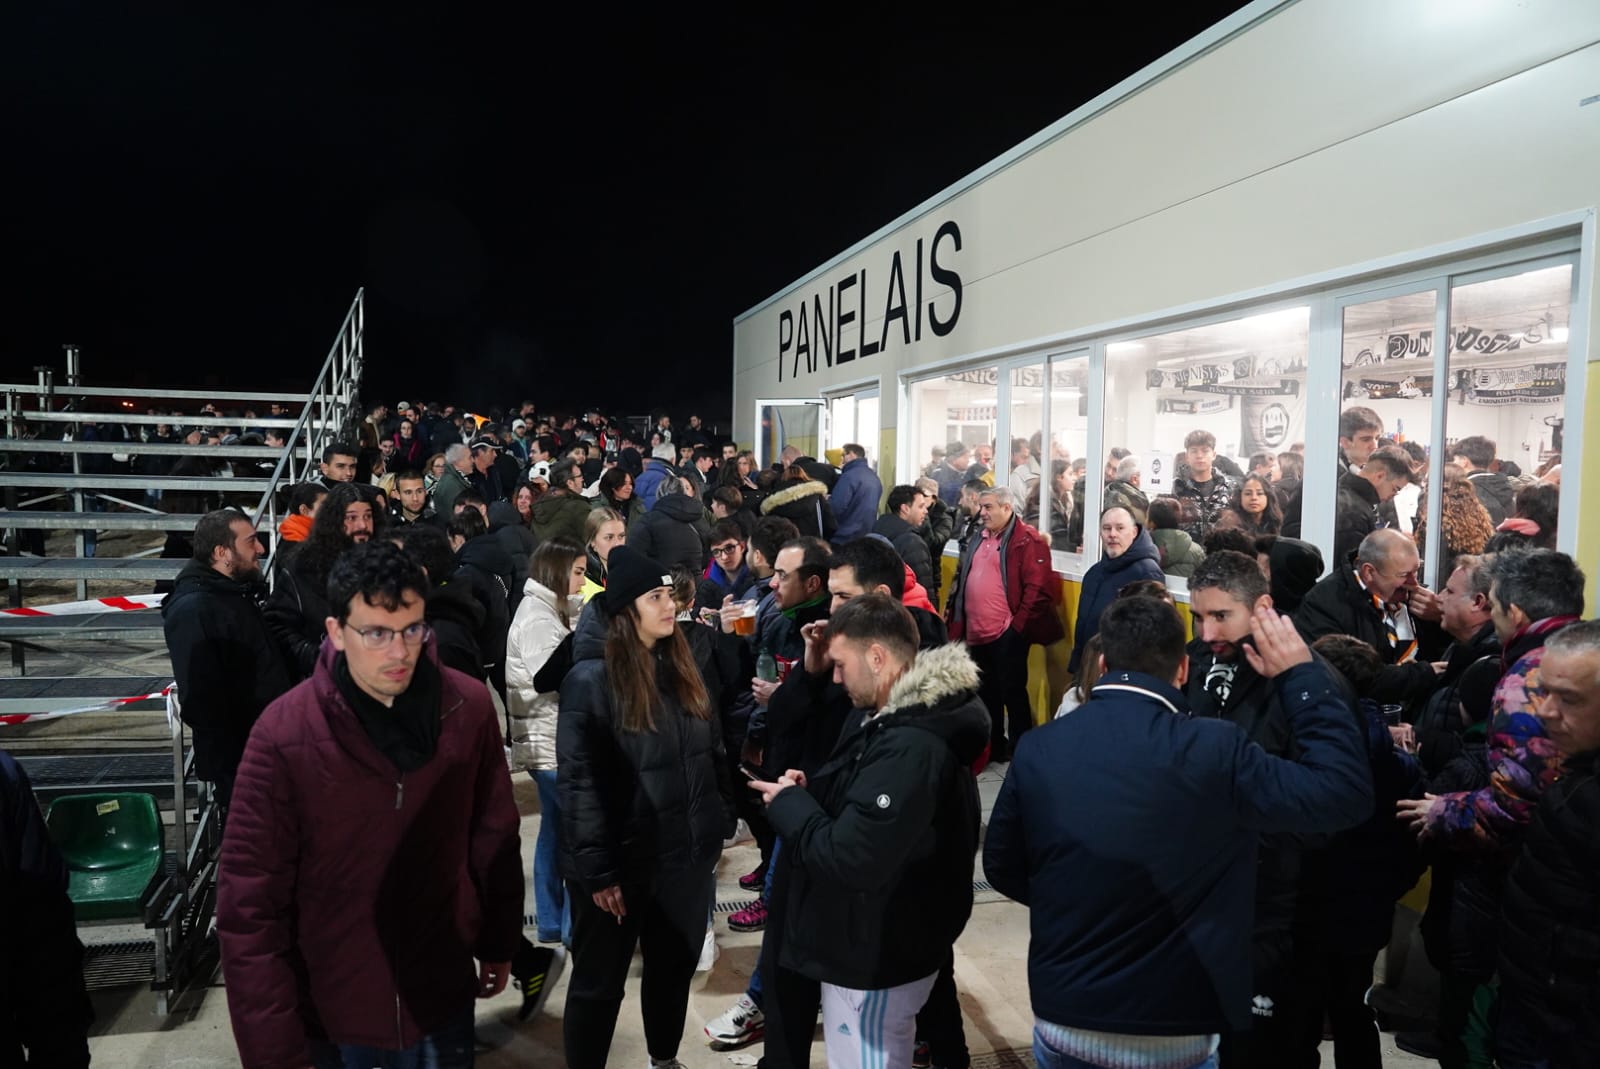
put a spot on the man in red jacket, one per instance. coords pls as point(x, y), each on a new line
point(1003, 601)
point(371, 852)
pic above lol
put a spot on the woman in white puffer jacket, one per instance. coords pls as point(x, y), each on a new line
point(545, 617)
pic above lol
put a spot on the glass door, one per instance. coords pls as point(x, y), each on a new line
point(800, 423)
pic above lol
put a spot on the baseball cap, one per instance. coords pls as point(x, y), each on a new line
point(484, 443)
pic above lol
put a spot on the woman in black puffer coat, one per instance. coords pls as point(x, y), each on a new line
point(802, 501)
point(644, 809)
point(674, 531)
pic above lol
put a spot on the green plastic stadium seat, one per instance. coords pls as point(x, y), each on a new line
point(112, 844)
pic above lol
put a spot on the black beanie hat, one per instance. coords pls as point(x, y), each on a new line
point(629, 575)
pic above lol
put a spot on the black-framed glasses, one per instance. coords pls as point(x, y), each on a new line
point(725, 551)
point(378, 638)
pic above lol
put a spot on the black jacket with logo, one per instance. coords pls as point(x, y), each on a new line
point(884, 835)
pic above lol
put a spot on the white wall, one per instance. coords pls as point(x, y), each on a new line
point(1332, 133)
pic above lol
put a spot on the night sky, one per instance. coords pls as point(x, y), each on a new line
point(540, 207)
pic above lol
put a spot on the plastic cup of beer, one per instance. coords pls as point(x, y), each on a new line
point(745, 622)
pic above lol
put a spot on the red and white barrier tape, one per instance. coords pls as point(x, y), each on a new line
point(10, 719)
point(79, 608)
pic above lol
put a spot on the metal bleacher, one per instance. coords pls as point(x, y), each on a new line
point(70, 727)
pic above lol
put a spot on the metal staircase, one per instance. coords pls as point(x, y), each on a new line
point(95, 656)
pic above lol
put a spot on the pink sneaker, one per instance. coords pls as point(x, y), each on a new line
point(752, 918)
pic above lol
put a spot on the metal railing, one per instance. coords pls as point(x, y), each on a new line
point(333, 405)
point(329, 408)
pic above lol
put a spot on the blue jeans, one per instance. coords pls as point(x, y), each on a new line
point(1047, 1057)
point(552, 913)
point(754, 990)
point(448, 1047)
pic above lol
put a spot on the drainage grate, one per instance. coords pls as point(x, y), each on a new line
point(1019, 1058)
point(118, 964)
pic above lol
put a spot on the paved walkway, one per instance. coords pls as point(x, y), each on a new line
point(991, 974)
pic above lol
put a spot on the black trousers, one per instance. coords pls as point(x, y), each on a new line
point(1003, 689)
point(1336, 984)
point(668, 924)
point(1270, 1041)
point(939, 1021)
point(790, 1001)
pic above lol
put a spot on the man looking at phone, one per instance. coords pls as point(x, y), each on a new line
point(881, 833)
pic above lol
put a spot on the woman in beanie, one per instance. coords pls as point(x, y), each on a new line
point(644, 809)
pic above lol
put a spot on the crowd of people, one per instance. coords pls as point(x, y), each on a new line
point(677, 645)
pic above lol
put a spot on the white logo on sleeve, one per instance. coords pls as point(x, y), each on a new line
point(883, 801)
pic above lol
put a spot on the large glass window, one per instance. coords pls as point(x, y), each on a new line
point(1507, 384)
point(1190, 413)
point(1069, 442)
point(1385, 398)
point(1020, 456)
point(962, 407)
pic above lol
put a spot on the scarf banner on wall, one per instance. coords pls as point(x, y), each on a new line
point(1275, 388)
point(1412, 386)
point(1511, 385)
point(1483, 341)
point(1194, 406)
point(1271, 422)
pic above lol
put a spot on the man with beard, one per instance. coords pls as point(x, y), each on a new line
point(227, 665)
point(1226, 593)
point(299, 604)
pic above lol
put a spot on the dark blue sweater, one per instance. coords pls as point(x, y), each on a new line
point(1130, 831)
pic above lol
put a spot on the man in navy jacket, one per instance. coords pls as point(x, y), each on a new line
point(1141, 894)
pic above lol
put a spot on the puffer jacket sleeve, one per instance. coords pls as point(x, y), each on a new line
point(494, 856)
point(255, 923)
point(535, 634)
point(892, 797)
point(585, 766)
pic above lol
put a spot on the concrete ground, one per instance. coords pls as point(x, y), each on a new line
point(991, 974)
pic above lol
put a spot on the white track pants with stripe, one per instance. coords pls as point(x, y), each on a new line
point(872, 1029)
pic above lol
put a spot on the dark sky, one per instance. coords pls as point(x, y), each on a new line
point(572, 211)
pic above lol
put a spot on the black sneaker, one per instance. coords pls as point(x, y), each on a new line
point(921, 1058)
point(538, 970)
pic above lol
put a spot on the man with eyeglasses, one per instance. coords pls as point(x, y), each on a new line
point(562, 510)
point(371, 854)
point(729, 574)
point(1375, 597)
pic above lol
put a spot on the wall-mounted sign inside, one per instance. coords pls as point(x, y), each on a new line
point(816, 327)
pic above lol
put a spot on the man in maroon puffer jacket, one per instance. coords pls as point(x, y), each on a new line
point(371, 850)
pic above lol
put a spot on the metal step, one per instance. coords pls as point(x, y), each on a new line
point(131, 485)
point(65, 773)
point(43, 694)
point(169, 449)
point(121, 964)
point(97, 521)
point(133, 569)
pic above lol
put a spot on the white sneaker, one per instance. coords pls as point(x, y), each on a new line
point(741, 834)
point(708, 952)
point(743, 1024)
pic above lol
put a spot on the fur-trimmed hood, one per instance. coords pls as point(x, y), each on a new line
point(939, 693)
point(790, 494)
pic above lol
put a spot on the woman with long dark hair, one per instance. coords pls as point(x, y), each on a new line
point(409, 450)
point(1254, 509)
point(643, 794)
point(803, 501)
point(616, 493)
